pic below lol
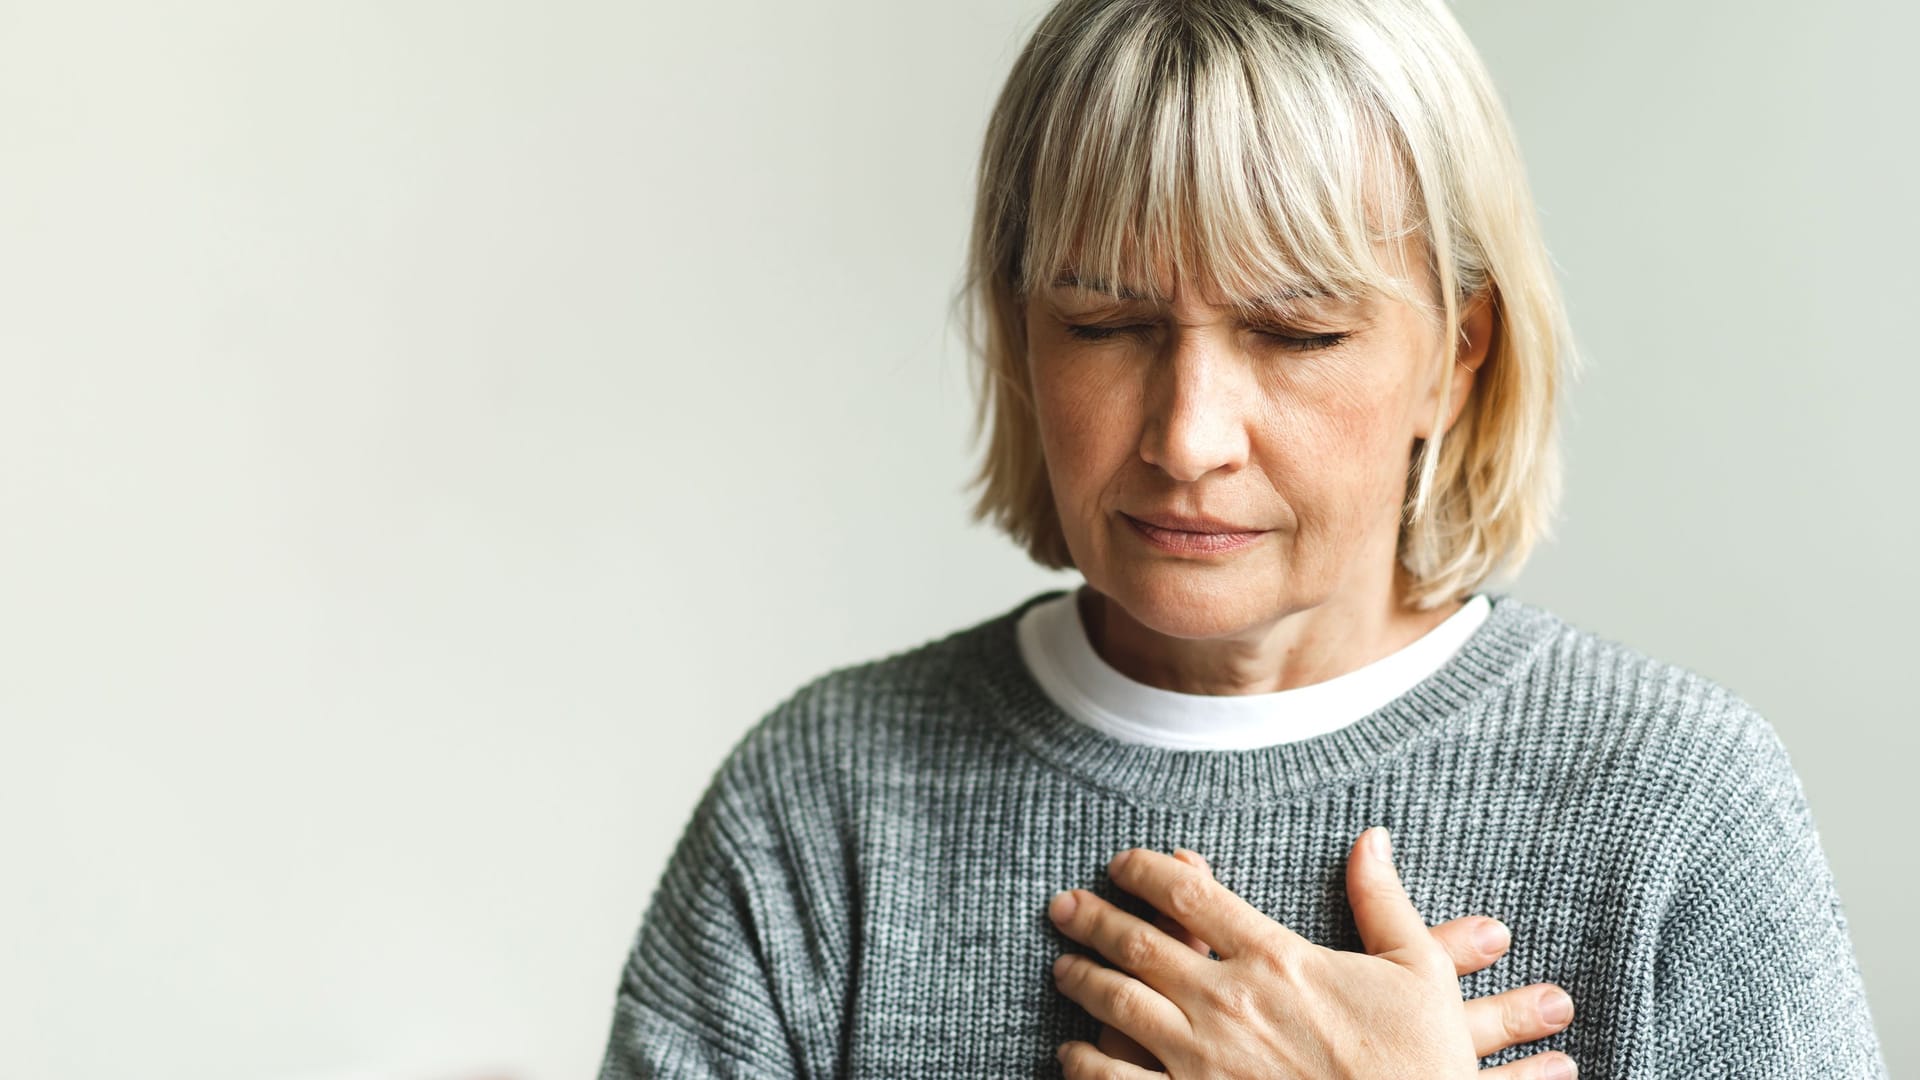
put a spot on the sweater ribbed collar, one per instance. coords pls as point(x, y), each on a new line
point(1498, 649)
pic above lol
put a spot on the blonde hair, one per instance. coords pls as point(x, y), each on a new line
point(1266, 144)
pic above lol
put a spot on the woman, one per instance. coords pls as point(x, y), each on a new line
point(1271, 347)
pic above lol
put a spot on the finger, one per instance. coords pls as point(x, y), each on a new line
point(1083, 1062)
point(1180, 934)
point(1384, 914)
point(1517, 1016)
point(1172, 927)
point(1192, 858)
point(1540, 1066)
point(1211, 910)
point(1473, 941)
point(1118, 1044)
point(1119, 1000)
point(1131, 943)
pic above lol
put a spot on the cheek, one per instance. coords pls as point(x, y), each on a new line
point(1086, 425)
point(1336, 454)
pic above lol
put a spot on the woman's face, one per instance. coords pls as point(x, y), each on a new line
point(1297, 426)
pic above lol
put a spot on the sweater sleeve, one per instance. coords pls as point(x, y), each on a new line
point(1755, 974)
point(698, 998)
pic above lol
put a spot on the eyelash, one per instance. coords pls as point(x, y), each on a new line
point(1310, 343)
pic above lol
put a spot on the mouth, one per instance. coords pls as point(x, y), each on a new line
point(1182, 523)
point(1200, 538)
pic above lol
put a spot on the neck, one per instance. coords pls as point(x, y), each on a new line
point(1298, 648)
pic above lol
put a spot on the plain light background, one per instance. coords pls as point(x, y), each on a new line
point(432, 433)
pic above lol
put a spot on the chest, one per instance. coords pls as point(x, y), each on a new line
point(952, 949)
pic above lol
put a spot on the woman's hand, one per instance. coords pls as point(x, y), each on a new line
point(1474, 942)
point(1275, 1001)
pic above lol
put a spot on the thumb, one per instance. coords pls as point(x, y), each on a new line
point(1384, 914)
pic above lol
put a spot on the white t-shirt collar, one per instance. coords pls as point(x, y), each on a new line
point(1054, 643)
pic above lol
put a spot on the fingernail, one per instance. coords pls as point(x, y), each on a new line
point(1060, 1052)
point(1194, 857)
point(1491, 936)
point(1062, 906)
point(1559, 1068)
point(1556, 1008)
point(1060, 964)
point(1382, 845)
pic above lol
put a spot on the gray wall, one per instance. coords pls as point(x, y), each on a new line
point(431, 433)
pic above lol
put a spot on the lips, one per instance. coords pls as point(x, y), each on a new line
point(1193, 543)
point(1202, 525)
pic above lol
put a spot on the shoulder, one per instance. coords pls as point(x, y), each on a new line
point(1605, 689)
point(1685, 746)
point(823, 737)
point(911, 686)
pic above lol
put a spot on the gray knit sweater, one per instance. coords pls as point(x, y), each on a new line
point(862, 889)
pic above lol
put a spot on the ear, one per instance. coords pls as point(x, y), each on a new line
point(1474, 346)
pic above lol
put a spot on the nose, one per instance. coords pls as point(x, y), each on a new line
point(1196, 409)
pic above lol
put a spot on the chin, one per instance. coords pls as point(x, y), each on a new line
point(1196, 601)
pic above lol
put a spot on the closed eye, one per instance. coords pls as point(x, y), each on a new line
point(1295, 342)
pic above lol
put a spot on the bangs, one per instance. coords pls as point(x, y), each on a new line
point(1244, 157)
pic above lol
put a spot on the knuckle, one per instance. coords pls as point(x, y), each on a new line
point(1518, 1018)
point(1271, 962)
point(1235, 1001)
point(1128, 1005)
point(1187, 897)
point(1137, 949)
point(1073, 974)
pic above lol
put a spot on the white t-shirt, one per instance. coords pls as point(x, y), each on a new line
point(1054, 643)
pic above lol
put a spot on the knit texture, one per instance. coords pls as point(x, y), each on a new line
point(861, 891)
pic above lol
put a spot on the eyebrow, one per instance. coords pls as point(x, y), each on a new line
point(1072, 280)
